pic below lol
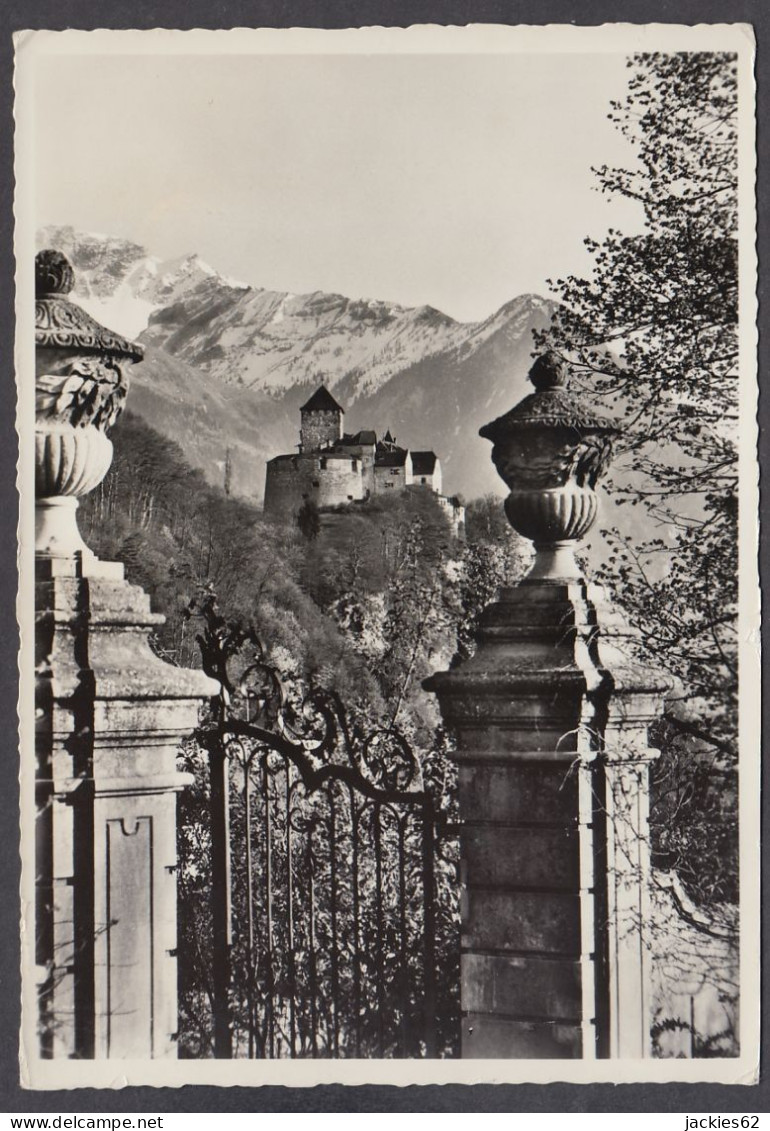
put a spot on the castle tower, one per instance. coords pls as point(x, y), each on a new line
point(321, 421)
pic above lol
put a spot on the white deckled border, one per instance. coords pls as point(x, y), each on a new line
point(32, 49)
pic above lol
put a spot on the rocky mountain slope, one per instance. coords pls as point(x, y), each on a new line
point(227, 365)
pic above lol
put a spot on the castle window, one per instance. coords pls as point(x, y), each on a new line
point(423, 480)
point(316, 483)
point(394, 471)
point(323, 465)
point(355, 465)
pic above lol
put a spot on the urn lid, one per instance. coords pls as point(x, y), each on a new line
point(552, 405)
point(62, 324)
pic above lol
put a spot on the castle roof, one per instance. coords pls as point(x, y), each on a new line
point(366, 436)
point(321, 401)
point(390, 456)
point(423, 463)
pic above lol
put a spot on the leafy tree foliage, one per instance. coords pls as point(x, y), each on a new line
point(495, 556)
point(653, 333)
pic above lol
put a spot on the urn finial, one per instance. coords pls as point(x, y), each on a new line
point(550, 450)
point(548, 372)
point(53, 274)
point(81, 383)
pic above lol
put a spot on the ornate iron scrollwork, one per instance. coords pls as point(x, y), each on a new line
point(311, 729)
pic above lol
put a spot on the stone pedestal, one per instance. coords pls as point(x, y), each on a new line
point(553, 791)
point(110, 717)
point(550, 718)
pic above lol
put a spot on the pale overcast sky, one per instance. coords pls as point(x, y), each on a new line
point(459, 181)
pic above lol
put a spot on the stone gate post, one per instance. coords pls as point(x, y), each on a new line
point(109, 718)
point(550, 717)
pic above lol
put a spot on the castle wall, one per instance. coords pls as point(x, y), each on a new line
point(365, 454)
point(339, 482)
point(320, 427)
point(367, 472)
point(329, 481)
point(387, 479)
point(287, 482)
point(455, 512)
point(432, 482)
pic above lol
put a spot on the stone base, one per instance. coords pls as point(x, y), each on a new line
point(550, 717)
point(59, 548)
point(492, 1037)
point(110, 717)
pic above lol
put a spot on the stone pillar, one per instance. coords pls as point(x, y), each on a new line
point(550, 717)
point(110, 715)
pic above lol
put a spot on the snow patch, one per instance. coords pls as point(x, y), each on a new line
point(122, 311)
point(281, 311)
point(207, 269)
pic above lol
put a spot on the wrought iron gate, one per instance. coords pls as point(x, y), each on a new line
point(332, 902)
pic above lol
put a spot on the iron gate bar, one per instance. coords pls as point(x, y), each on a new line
point(378, 904)
point(290, 908)
point(356, 923)
point(269, 909)
point(429, 934)
point(246, 765)
point(334, 952)
point(310, 864)
point(402, 932)
point(220, 900)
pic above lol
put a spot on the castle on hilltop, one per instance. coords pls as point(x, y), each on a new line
point(333, 467)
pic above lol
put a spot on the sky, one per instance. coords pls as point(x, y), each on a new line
point(460, 181)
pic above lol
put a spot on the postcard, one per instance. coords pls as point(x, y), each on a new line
point(389, 581)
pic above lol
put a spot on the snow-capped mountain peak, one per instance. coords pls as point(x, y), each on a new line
point(120, 283)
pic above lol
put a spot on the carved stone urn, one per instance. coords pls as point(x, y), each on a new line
point(550, 449)
point(80, 387)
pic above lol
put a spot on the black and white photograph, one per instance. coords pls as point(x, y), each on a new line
point(388, 585)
